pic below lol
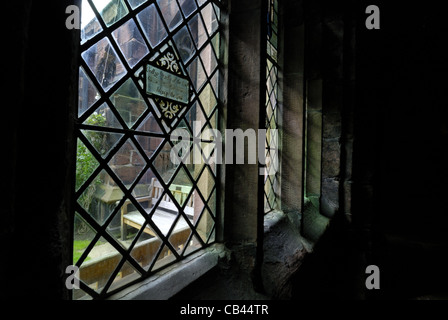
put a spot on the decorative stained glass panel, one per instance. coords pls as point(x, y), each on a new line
point(271, 186)
point(138, 210)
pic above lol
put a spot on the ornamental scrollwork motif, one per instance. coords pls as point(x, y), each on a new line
point(168, 61)
point(169, 109)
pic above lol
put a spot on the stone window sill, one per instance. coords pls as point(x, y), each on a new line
point(172, 280)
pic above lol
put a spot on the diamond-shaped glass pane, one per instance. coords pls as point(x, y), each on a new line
point(87, 93)
point(100, 264)
point(136, 3)
point(170, 12)
point(197, 73)
point(209, 59)
point(195, 201)
point(184, 126)
point(83, 236)
point(215, 43)
point(271, 198)
point(180, 235)
point(184, 44)
point(205, 225)
point(212, 236)
point(143, 194)
point(102, 141)
point(208, 99)
point(181, 187)
point(135, 216)
point(188, 7)
point(273, 94)
point(103, 117)
point(206, 183)
point(197, 30)
point(275, 185)
point(162, 218)
point(272, 138)
point(127, 163)
point(210, 150)
point(90, 26)
point(115, 232)
point(111, 10)
point(149, 124)
point(214, 120)
point(196, 119)
point(100, 197)
point(131, 42)
point(217, 10)
point(273, 99)
point(267, 208)
point(274, 40)
point(126, 275)
point(104, 63)
point(212, 203)
point(163, 164)
point(272, 163)
point(269, 65)
point(270, 85)
point(181, 138)
point(210, 20)
point(273, 75)
point(152, 25)
point(272, 125)
point(215, 82)
point(146, 249)
point(272, 52)
point(129, 102)
point(267, 184)
point(191, 246)
point(85, 164)
point(149, 144)
point(269, 112)
point(165, 257)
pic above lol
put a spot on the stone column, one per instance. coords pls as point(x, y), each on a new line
point(292, 106)
point(243, 186)
point(245, 92)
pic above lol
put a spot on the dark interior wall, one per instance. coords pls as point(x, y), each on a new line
point(401, 148)
point(38, 75)
point(398, 211)
point(414, 118)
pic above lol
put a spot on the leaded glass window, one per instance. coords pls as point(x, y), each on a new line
point(147, 68)
point(271, 181)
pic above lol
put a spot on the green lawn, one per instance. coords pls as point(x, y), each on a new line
point(78, 249)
